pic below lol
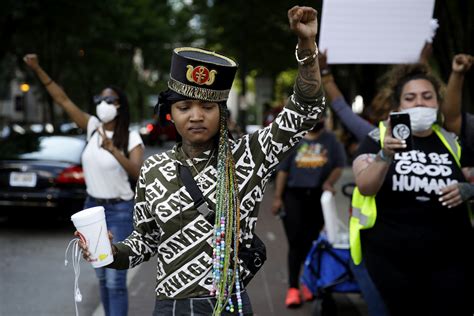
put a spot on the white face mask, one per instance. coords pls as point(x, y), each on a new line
point(106, 112)
point(421, 118)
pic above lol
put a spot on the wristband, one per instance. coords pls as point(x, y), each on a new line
point(383, 157)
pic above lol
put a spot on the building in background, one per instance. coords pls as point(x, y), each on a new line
point(20, 103)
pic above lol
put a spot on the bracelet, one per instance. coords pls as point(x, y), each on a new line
point(383, 157)
point(48, 83)
point(308, 58)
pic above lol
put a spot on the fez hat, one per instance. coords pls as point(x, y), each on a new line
point(197, 74)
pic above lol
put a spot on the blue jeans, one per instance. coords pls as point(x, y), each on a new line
point(113, 283)
point(375, 304)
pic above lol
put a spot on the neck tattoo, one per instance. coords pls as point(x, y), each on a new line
point(200, 180)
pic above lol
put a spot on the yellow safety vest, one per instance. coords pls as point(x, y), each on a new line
point(364, 209)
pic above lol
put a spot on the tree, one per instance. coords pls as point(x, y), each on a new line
point(256, 34)
point(88, 44)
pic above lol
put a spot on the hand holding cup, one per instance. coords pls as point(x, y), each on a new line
point(83, 245)
point(94, 238)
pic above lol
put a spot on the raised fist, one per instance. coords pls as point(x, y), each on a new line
point(303, 21)
point(462, 63)
point(31, 60)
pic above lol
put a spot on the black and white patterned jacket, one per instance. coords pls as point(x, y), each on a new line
point(167, 224)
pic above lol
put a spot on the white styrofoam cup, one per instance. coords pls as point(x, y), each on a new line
point(92, 228)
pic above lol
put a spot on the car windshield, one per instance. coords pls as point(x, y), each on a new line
point(42, 147)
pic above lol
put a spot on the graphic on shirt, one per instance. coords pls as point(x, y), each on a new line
point(290, 121)
point(311, 156)
point(167, 222)
point(416, 171)
point(183, 240)
point(206, 283)
point(171, 207)
point(185, 277)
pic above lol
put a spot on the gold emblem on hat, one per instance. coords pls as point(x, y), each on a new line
point(200, 75)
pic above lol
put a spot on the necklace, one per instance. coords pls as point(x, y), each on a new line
point(200, 180)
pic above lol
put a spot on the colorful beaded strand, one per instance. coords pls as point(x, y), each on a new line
point(227, 228)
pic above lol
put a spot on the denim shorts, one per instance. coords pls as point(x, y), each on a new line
point(198, 306)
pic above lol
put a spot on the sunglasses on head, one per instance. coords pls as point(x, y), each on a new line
point(108, 99)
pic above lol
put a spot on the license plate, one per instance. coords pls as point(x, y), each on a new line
point(23, 179)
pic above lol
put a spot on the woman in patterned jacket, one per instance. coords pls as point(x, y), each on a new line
point(199, 271)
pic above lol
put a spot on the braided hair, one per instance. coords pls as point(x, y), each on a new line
point(227, 224)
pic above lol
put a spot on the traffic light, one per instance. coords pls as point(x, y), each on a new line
point(24, 87)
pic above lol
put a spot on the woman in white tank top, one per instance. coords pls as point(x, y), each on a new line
point(113, 155)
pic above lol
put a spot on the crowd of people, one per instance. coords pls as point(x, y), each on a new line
point(410, 229)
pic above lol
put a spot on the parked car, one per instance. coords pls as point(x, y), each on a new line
point(144, 128)
point(153, 133)
point(41, 171)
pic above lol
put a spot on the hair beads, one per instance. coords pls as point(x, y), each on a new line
point(226, 227)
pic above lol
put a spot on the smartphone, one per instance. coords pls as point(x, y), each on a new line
point(401, 128)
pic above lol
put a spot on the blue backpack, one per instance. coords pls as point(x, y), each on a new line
point(328, 269)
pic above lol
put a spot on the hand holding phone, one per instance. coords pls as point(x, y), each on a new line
point(401, 129)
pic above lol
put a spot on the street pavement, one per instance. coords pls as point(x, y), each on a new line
point(268, 289)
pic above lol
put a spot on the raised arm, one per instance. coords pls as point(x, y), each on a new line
point(59, 96)
point(270, 145)
point(451, 108)
point(304, 24)
point(426, 53)
point(353, 122)
point(330, 86)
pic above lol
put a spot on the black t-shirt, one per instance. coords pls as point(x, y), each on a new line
point(410, 216)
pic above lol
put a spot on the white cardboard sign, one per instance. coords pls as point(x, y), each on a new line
point(375, 31)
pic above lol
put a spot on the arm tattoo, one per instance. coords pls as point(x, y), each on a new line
point(466, 190)
point(367, 159)
point(307, 79)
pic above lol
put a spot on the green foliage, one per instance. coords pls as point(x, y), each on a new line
point(256, 34)
point(86, 45)
point(284, 84)
point(253, 32)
